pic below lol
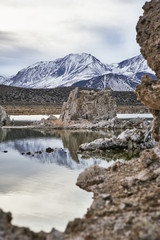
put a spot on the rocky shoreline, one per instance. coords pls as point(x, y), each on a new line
point(133, 139)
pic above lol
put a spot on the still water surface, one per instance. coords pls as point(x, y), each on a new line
point(39, 187)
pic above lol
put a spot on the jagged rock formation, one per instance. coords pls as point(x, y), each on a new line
point(3, 116)
point(148, 37)
point(125, 205)
point(10, 232)
point(89, 105)
point(149, 94)
point(131, 139)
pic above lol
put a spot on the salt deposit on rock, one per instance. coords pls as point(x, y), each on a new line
point(129, 139)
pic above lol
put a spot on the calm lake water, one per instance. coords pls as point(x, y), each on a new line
point(39, 187)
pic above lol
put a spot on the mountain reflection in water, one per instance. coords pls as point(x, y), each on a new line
point(39, 187)
point(64, 143)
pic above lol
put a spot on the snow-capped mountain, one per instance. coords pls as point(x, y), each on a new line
point(110, 80)
point(3, 79)
point(131, 66)
point(81, 70)
point(61, 72)
point(117, 82)
point(124, 76)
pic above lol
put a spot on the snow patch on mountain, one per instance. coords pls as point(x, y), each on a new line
point(113, 81)
point(81, 70)
point(131, 66)
point(3, 79)
point(61, 72)
point(123, 76)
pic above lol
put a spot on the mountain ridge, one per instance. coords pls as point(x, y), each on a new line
point(81, 70)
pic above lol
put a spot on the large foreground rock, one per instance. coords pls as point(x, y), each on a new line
point(148, 37)
point(149, 94)
point(126, 201)
point(10, 232)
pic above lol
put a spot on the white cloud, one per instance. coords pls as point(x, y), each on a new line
point(54, 28)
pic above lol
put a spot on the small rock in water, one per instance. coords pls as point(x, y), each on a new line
point(49, 150)
point(38, 152)
point(5, 151)
point(28, 153)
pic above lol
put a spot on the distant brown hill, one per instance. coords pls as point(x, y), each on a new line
point(18, 100)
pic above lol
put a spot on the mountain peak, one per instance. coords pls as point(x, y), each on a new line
point(60, 72)
point(80, 68)
point(131, 66)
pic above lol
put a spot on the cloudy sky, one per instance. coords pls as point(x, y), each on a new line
point(40, 30)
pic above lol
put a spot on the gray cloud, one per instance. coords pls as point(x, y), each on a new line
point(110, 35)
point(130, 1)
point(12, 47)
point(4, 36)
point(15, 55)
point(58, 27)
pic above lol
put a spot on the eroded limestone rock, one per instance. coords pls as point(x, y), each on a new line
point(3, 116)
point(89, 105)
point(91, 177)
point(148, 37)
point(130, 139)
point(10, 232)
point(126, 201)
point(148, 92)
